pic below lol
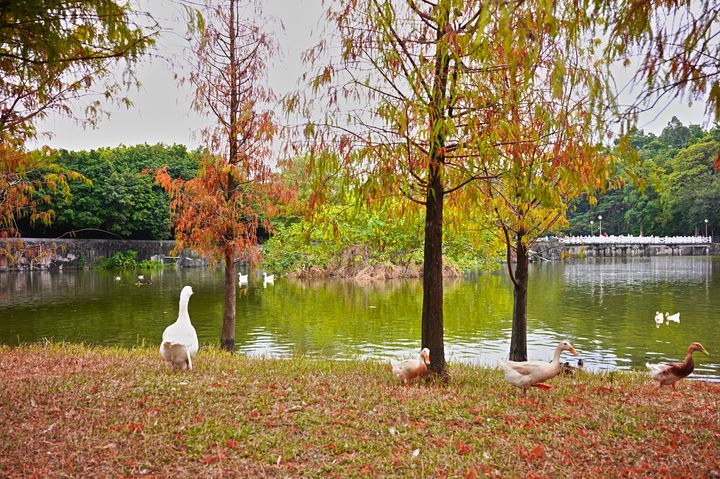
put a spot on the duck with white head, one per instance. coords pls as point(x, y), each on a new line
point(410, 369)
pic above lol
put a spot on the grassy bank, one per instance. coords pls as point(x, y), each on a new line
point(73, 411)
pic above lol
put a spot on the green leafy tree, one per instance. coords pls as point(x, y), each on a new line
point(53, 52)
point(420, 130)
point(676, 195)
point(121, 199)
point(693, 189)
point(549, 110)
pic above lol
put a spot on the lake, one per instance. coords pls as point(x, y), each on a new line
point(604, 307)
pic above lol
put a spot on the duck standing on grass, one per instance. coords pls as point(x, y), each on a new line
point(524, 374)
point(669, 374)
point(180, 341)
point(409, 369)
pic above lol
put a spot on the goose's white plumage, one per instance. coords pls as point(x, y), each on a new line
point(268, 279)
point(675, 318)
point(524, 374)
point(659, 319)
point(242, 279)
point(179, 340)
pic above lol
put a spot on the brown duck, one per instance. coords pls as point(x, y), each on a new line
point(669, 374)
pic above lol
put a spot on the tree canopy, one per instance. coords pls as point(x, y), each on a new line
point(679, 191)
point(53, 52)
point(121, 198)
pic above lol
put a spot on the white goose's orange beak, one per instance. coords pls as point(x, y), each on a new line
point(572, 351)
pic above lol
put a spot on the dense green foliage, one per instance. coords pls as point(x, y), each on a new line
point(360, 236)
point(123, 198)
point(345, 230)
point(127, 261)
point(680, 187)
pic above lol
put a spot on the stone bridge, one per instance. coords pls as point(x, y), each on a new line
point(612, 246)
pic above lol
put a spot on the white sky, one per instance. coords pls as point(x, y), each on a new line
point(162, 108)
point(162, 111)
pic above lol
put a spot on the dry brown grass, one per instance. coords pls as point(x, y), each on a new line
point(75, 411)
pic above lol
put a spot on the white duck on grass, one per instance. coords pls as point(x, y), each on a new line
point(525, 374)
point(180, 341)
point(409, 369)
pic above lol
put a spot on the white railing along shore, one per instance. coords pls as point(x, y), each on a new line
point(627, 240)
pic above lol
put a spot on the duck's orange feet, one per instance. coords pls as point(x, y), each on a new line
point(542, 386)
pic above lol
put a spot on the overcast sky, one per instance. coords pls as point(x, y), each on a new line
point(162, 111)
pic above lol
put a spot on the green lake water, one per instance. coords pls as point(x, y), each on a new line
point(604, 307)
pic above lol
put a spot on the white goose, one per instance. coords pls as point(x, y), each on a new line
point(242, 279)
point(268, 279)
point(658, 319)
point(675, 318)
point(180, 341)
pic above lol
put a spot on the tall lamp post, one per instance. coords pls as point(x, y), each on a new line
point(600, 220)
point(706, 222)
point(591, 227)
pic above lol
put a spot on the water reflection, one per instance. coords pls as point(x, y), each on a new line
point(605, 307)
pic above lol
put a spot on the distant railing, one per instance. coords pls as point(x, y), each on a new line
point(624, 240)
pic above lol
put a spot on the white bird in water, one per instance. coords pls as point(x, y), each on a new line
point(242, 279)
point(658, 319)
point(180, 341)
point(268, 279)
point(675, 318)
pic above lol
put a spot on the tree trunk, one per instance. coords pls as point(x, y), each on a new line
point(518, 342)
point(227, 337)
point(432, 311)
